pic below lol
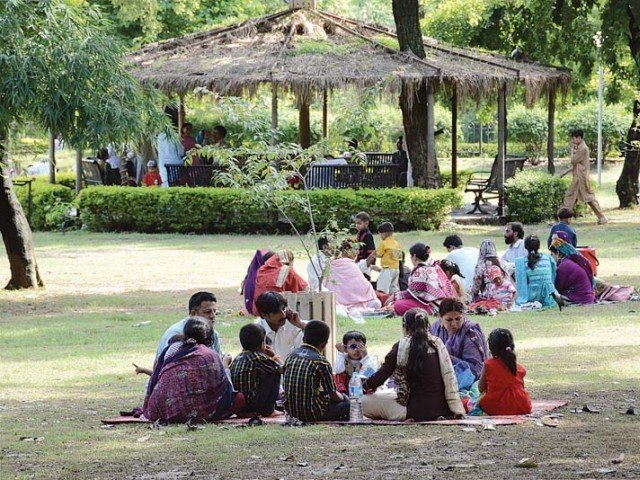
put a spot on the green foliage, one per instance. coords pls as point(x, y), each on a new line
point(455, 21)
point(615, 123)
point(534, 196)
point(305, 46)
point(44, 197)
point(68, 179)
point(529, 126)
point(228, 210)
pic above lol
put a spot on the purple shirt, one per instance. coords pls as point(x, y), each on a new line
point(467, 344)
point(573, 283)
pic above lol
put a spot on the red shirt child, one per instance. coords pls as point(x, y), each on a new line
point(152, 178)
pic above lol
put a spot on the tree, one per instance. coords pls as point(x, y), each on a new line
point(61, 71)
point(426, 172)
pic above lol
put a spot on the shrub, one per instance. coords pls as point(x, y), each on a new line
point(529, 126)
point(44, 196)
point(68, 179)
point(534, 196)
point(226, 210)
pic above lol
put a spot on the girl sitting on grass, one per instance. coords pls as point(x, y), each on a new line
point(502, 378)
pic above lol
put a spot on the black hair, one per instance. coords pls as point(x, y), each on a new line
point(450, 267)
point(323, 242)
point(221, 130)
point(416, 324)
point(316, 333)
point(385, 227)
point(197, 298)
point(176, 338)
point(452, 241)
point(268, 255)
point(532, 245)
point(354, 335)
point(197, 331)
point(565, 213)
point(421, 251)
point(270, 302)
point(251, 337)
point(501, 346)
point(577, 133)
point(450, 305)
point(363, 216)
point(517, 228)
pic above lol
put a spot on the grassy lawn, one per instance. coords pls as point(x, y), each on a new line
point(66, 354)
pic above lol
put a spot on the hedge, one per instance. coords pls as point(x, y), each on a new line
point(44, 196)
point(534, 196)
point(225, 210)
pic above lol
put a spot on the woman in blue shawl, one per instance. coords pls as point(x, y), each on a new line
point(536, 276)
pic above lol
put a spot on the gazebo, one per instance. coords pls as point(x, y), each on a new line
point(308, 52)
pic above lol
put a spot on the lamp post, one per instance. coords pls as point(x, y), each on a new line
point(597, 39)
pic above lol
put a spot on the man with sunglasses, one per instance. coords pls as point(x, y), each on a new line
point(283, 327)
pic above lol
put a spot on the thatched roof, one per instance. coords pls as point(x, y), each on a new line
point(306, 51)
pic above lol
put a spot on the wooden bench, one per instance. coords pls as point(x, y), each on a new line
point(378, 158)
point(91, 172)
point(334, 176)
point(191, 175)
point(485, 187)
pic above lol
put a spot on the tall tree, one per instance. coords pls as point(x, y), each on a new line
point(414, 100)
point(61, 71)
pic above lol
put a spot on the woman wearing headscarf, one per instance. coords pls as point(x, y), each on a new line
point(536, 276)
point(482, 284)
point(248, 286)
point(277, 275)
point(574, 276)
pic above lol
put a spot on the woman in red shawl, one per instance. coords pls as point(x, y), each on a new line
point(278, 275)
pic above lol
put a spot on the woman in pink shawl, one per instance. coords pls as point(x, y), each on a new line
point(345, 279)
point(277, 275)
point(428, 284)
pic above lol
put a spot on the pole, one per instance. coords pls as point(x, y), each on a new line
point(432, 181)
point(78, 170)
point(600, 95)
point(52, 157)
point(325, 114)
point(304, 124)
point(502, 144)
point(274, 113)
point(454, 138)
point(551, 110)
point(181, 115)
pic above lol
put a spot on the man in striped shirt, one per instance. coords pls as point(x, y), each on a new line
point(309, 389)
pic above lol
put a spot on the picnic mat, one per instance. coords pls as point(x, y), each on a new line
point(539, 407)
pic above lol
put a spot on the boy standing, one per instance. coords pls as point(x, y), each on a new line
point(390, 252)
point(152, 178)
point(309, 389)
point(256, 371)
point(364, 236)
point(565, 216)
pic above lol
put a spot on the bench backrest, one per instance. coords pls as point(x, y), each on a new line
point(91, 172)
point(511, 165)
point(334, 176)
point(378, 158)
point(191, 175)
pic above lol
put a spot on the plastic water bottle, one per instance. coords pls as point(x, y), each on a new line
point(355, 398)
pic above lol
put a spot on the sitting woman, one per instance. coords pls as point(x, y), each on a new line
point(535, 276)
point(574, 277)
point(189, 382)
point(277, 275)
point(452, 271)
point(428, 284)
point(248, 286)
point(464, 341)
point(491, 287)
point(352, 290)
point(426, 387)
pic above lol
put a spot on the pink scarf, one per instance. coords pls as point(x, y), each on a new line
point(346, 280)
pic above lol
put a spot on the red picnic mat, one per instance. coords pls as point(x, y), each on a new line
point(539, 407)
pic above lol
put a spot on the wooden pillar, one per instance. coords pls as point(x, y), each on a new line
point(78, 170)
point(432, 182)
point(502, 143)
point(454, 138)
point(551, 112)
point(52, 157)
point(325, 112)
point(274, 114)
point(304, 124)
point(181, 114)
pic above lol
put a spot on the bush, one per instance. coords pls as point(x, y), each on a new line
point(226, 210)
point(529, 126)
point(68, 179)
point(534, 196)
point(44, 196)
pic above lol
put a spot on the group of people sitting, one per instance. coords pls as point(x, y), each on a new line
point(429, 374)
point(522, 278)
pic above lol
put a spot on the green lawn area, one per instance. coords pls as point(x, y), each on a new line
point(66, 354)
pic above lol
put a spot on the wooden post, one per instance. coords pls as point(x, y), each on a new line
point(502, 144)
point(181, 114)
point(274, 113)
point(454, 138)
point(304, 124)
point(551, 111)
point(78, 170)
point(325, 111)
point(432, 182)
point(52, 157)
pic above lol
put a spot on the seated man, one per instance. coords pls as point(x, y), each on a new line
point(201, 304)
point(282, 325)
point(309, 389)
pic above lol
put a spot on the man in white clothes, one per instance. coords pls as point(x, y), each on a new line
point(514, 237)
point(465, 257)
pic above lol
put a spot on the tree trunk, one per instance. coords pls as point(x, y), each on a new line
point(52, 157)
point(551, 111)
point(414, 102)
point(16, 234)
point(627, 184)
point(304, 125)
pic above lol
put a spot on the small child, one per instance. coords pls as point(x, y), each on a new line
point(452, 271)
point(499, 289)
point(390, 252)
point(364, 237)
point(565, 217)
point(502, 379)
point(256, 371)
point(352, 358)
point(152, 177)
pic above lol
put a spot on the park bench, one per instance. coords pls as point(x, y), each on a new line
point(352, 176)
point(191, 175)
point(91, 172)
point(485, 187)
point(378, 158)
